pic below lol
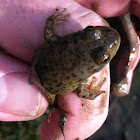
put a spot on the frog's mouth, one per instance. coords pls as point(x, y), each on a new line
point(123, 64)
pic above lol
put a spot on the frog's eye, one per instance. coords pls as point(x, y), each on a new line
point(105, 58)
point(100, 56)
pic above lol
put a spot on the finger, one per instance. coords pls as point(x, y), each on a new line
point(23, 24)
point(107, 8)
point(18, 99)
point(122, 69)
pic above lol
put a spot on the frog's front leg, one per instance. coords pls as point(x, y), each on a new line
point(91, 91)
point(51, 22)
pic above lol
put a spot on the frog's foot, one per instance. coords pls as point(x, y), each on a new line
point(52, 21)
point(56, 17)
point(91, 91)
point(50, 98)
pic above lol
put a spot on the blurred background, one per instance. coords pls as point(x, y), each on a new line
point(26, 130)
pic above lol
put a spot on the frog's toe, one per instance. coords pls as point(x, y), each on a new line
point(91, 91)
point(57, 16)
point(60, 14)
point(90, 94)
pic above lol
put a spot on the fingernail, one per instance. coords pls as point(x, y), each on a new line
point(17, 96)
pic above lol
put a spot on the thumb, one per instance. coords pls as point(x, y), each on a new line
point(18, 99)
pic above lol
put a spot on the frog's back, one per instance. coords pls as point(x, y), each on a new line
point(62, 66)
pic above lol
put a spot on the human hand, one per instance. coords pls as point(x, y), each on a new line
point(20, 33)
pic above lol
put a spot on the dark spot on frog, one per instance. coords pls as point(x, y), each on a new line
point(73, 75)
point(75, 42)
point(55, 81)
point(68, 77)
point(58, 85)
point(57, 90)
point(51, 88)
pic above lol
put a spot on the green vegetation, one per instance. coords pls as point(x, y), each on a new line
point(26, 130)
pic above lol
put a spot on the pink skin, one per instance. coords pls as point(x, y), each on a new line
point(107, 8)
point(21, 32)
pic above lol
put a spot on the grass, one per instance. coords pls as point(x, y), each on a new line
point(26, 130)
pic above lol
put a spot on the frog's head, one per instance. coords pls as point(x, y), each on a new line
point(106, 42)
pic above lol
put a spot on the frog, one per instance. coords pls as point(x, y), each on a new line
point(64, 63)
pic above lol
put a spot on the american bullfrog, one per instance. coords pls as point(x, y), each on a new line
point(63, 64)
